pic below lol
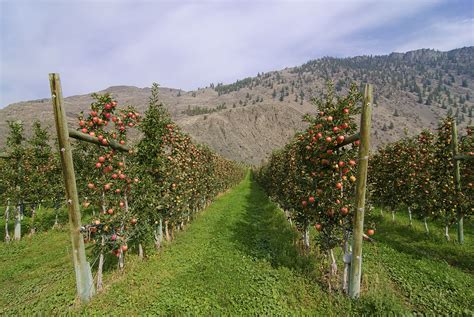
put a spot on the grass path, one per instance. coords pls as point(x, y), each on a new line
point(237, 258)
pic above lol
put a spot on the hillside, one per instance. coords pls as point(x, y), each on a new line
point(246, 120)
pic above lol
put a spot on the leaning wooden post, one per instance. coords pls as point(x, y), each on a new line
point(84, 281)
point(356, 259)
point(457, 181)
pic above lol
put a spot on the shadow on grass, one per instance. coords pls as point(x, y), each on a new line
point(421, 245)
point(263, 233)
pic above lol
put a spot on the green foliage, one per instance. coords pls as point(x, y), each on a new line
point(418, 172)
point(312, 179)
point(178, 177)
point(13, 176)
point(42, 168)
point(106, 180)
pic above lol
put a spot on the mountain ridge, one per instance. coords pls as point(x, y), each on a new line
point(249, 118)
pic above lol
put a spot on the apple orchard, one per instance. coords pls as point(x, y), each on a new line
point(140, 179)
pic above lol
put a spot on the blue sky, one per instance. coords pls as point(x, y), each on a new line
point(189, 44)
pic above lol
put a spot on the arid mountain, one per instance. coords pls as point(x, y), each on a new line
point(248, 119)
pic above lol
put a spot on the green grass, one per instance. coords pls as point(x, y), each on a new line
point(237, 258)
point(36, 275)
point(435, 275)
point(44, 220)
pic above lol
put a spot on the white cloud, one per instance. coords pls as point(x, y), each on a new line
point(441, 35)
point(188, 44)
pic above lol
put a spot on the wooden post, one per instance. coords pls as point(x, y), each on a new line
point(457, 181)
point(358, 229)
point(84, 281)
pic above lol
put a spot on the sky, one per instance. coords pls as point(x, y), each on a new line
point(190, 44)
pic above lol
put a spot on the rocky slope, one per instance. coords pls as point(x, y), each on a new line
point(248, 119)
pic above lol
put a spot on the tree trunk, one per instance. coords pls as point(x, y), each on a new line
point(140, 251)
point(167, 231)
point(306, 238)
point(393, 215)
point(446, 232)
point(101, 265)
point(56, 210)
point(347, 264)
point(158, 234)
point(121, 261)
point(7, 220)
point(56, 223)
point(160, 231)
point(104, 209)
point(426, 225)
point(33, 215)
point(17, 232)
point(409, 216)
point(333, 263)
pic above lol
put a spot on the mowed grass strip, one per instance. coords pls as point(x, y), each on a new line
point(226, 262)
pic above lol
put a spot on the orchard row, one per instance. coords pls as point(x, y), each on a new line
point(313, 178)
point(142, 195)
point(30, 176)
point(418, 173)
